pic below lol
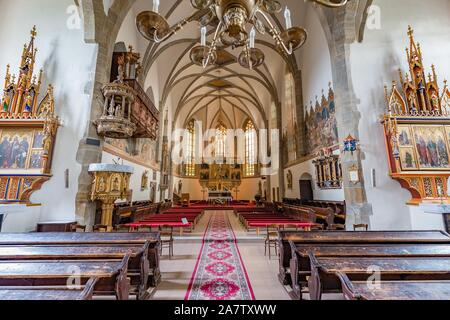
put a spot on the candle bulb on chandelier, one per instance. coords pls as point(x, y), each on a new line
point(287, 17)
point(156, 6)
point(252, 38)
point(203, 39)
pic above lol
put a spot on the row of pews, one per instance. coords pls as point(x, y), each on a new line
point(78, 266)
point(373, 265)
point(283, 216)
point(257, 218)
point(181, 218)
point(332, 214)
point(126, 212)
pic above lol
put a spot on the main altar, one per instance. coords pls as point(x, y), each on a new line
point(417, 131)
point(220, 180)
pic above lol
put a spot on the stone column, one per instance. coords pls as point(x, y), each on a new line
point(340, 29)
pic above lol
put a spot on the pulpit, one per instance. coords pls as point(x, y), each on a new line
point(111, 183)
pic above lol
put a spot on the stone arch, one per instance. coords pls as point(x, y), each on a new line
point(306, 176)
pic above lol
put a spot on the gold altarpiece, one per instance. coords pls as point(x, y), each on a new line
point(220, 177)
point(27, 131)
point(417, 131)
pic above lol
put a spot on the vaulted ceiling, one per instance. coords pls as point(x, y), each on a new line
point(227, 93)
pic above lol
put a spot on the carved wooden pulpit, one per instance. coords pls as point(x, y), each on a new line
point(111, 183)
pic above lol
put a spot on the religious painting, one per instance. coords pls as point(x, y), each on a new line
point(139, 151)
point(432, 149)
point(408, 158)
point(321, 124)
point(38, 140)
point(404, 136)
point(36, 160)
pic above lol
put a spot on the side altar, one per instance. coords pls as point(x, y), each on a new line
point(27, 131)
point(417, 131)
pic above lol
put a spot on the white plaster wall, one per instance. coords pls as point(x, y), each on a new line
point(315, 61)
point(69, 65)
point(315, 64)
point(375, 62)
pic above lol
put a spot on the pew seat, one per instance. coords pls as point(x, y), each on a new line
point(48, 293)
point(324, 271)
point(300, 265)
point(112, 275)
point(395, 290)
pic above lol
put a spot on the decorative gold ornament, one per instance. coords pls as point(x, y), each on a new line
point(111, 183)
point(27, 131)
point(417, 130)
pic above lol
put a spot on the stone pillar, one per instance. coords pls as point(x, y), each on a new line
point(340, 29)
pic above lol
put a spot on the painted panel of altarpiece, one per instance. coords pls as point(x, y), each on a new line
point(424, 147)
point(21, 149)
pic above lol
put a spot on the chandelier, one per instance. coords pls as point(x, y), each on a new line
point(231, 19)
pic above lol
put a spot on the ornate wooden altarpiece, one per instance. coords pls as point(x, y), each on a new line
point(27, 131)
point(220, 177)
point(417, 131)
point(328, 170)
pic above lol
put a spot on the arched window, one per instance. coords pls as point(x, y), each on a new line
point(189, 168)
point(220, 145)
point(250, 149)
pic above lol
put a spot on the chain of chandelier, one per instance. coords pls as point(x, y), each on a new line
point(230, 20)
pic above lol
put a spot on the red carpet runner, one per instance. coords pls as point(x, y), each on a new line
point(220, 273)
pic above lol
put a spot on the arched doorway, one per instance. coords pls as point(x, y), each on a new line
point(306, 187)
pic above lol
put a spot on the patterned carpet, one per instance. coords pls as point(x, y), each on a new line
point(220, 273)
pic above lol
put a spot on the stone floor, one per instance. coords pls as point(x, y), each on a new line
point(177, 272)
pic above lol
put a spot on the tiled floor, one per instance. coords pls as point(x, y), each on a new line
point(177, 272)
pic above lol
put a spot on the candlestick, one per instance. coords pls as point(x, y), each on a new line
point(252, 38)
point(203, 31)
point(287, 17)
point(156, 6)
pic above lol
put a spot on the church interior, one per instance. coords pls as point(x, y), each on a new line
point(224, 150)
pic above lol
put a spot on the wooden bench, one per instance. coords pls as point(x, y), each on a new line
point(343, 237)
point(48, 293)
point(97, 239)
point(138, 266)
point(300, 265)
point(324, 271)
point(111, 275)
point(395, 290)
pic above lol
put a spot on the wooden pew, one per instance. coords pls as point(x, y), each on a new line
point(111, 239)
point(138, 266)
point(342, 237)
point(112, 275)
point(300, 266)
point(324, 271)
point(47, 293)
point(395, 290)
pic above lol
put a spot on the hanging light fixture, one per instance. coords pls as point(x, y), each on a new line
point(230, 19)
